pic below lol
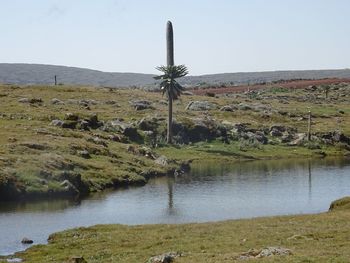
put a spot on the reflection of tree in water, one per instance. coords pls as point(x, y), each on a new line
point(170, 182)
point(310, 181)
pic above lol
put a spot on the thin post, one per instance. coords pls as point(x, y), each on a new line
point(309, 127)
point(55, 80)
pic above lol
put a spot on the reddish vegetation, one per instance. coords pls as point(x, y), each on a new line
point(288, 84)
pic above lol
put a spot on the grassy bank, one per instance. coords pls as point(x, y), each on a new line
point(311, 238)
point(59, 141)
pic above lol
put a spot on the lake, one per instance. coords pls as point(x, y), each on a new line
point(210, 192)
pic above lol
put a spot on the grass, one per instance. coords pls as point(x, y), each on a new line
point(312, 238)
point(25, 123)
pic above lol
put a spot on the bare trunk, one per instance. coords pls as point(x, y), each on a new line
point(170, 121)
point(309, 127)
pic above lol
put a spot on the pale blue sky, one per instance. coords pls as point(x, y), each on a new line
point(211, 36)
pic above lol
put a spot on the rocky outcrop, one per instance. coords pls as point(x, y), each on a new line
point(165, 258)
point(201, 106)
point(265, 252)
point(141, 104)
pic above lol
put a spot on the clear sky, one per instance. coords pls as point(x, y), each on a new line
point(211, 36)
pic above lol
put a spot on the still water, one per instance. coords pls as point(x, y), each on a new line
point(210, 192)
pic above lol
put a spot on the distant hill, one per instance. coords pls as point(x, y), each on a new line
point(14, 73)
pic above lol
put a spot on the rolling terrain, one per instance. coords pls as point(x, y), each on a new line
point(32, 74)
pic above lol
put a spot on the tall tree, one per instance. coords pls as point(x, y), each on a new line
point(171, 72)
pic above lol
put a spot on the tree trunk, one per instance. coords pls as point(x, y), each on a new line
point(170, 121)
point(170, 62)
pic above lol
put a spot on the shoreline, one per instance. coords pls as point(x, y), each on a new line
point(297, 231)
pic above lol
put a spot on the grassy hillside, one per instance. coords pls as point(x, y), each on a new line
point(73, 140)
point(25, 74)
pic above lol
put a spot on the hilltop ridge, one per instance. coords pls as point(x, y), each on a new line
point(29, 74)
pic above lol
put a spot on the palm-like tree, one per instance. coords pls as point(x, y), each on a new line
point(171, 88)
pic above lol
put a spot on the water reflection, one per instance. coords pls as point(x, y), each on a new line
point(53, 205)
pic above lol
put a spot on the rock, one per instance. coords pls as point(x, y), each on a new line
point(71, 117)
point(93, 122)
point(286, 137)
point(98, 141)
point(165, 258)
point(277, 130)
point(274, 251)
point(227, 108)
point(201, 106)
point(111, 102)
point(26, 240)
point(56, 101)
point(162, 160)
point(244, 107)
point(76, 259)
point(141, 104)
point(69, 187)
point(24, 100)
point(116, 138)
point(87, 102)
point(84, 125)
point(126, 129)
point(84, 153)
point(301, 137)
point(265, 252)
point(57, 123)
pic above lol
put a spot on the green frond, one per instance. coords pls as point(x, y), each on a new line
point(169, 85)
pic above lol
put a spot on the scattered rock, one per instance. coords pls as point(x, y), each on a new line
point(124, 128)
point(165, 258)
point(141, 104)
point(56, 101)
point(84, 153)
point(227, 108)
point(112, 102)
point(277, 130)
point(265, 252)
point(87, 102)
point(26, 240)
point(300, 139)
point(69, 187)
point(57, 123)
point(162, 160)
point(71, 117)
point(244, 107)
point(200, 106)
point(98, 141)
point(24, 100)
